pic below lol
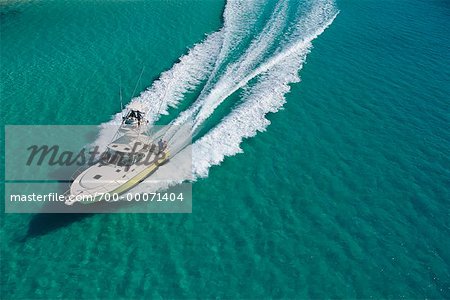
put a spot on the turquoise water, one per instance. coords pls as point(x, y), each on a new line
point(344, 195)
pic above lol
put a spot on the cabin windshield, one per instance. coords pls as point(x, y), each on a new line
point(127, 160)
point(112, 157)
point(122, 159)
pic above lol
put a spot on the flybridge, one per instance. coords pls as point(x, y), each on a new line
point(134, 117)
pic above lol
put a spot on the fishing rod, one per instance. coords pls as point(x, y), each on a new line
point(120, 93)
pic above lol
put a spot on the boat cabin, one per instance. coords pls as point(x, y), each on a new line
point(127, 150)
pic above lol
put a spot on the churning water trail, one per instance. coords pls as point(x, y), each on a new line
point(269, 59)
point(267, 95)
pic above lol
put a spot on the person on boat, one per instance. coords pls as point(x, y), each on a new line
point(138, 116)
point(162, 145)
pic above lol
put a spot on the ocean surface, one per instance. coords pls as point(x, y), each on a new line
point(321, 149)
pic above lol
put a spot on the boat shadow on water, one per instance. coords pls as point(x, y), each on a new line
point(45, 222)
point(58, 215)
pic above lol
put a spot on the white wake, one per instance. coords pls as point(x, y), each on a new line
point(271, 61)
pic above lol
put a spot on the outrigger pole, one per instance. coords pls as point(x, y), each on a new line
point(140, 76)
point(120, 93)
